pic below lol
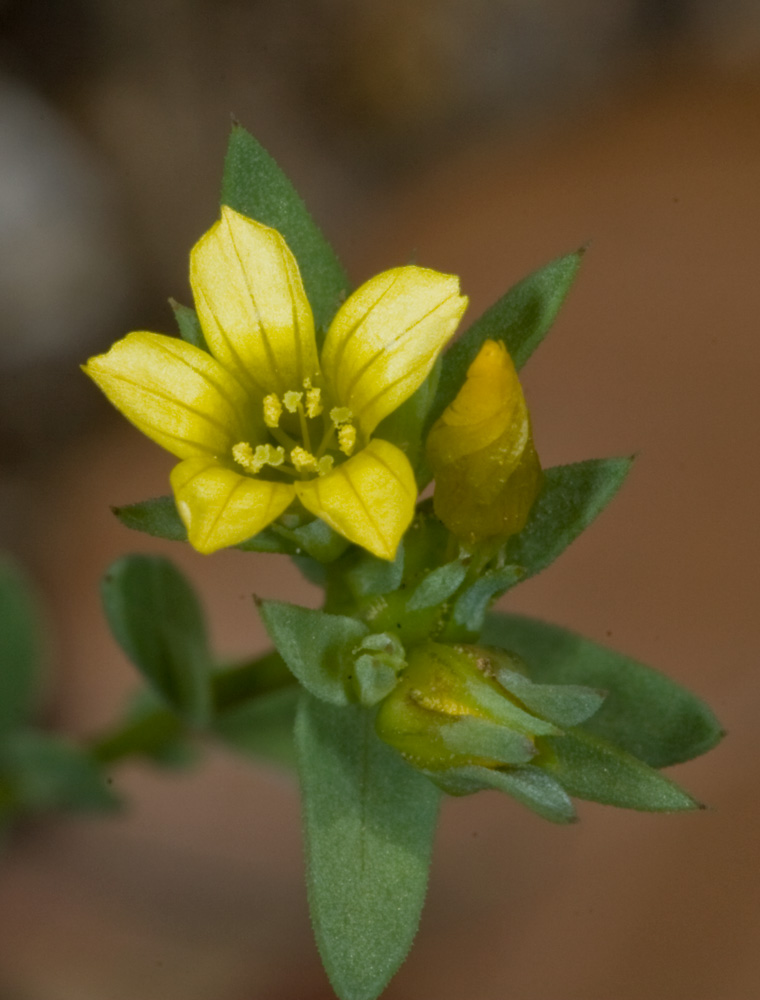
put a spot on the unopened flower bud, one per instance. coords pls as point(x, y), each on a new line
point(480, 450)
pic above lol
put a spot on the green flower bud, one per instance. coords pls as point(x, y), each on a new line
point(449, 710)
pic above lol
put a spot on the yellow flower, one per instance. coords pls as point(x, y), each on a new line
point(262, 420)
point(487, 473)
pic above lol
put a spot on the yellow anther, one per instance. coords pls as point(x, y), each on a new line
point(303, 460)
point(340, 415)
point(291, 399)
point(272, 410)
point(254, 461)
point(347, 438)
point(313, 401)
point(325, 464)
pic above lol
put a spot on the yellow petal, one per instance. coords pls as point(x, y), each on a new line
point(175, 393)
point(369, 499)
point(252, 305)
point(219, 507)
point(385, 338)
point(486, 470)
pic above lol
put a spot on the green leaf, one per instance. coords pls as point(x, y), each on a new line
point(189, 325)
point(369, 575)
point(263, 726)
point(157, 517)
point(644, 712)
point(529, 785)
point(20, 647)
point(589, 767)
point(520, 319)
point(254, 185)
point(471, 606)
point(317, 647)
point(156, 619)
point(45, 772)
point(571, 497)
point(369, 822)
point(437, 586)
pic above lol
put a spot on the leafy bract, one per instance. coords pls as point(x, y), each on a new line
point(369, 821)
point(157, 620)
point(317, 647)
point(645, 712)
point(254, 185)
point(520, 319)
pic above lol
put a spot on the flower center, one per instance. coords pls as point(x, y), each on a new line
point(325, 436)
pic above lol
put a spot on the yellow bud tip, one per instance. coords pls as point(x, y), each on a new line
point(340, 415)
point(303, 460)
point(291, 400)
point(347, 438)
point(272, 410)
point(313, 401)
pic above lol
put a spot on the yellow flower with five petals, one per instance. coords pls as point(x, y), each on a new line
point(262, 420)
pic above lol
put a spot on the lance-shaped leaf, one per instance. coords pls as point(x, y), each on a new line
point(644, 712)
point(369, 821)
point(472, 605)
point(589, 767)
point(520, 319)
point(156, 619)
point(189, 325)
point(20, 647)
point(254, 185)
point(571, 497)
point(437, 586)
point(317, 647)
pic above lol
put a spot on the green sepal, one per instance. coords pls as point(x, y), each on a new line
point(572, 496)
point(156, 618)
point(189, 325)
point(317, 647)
point(44, 772)
point(367, 575)
point(520, 319)
point(528, 784)
point(438, 586)
point(563, 704)
point(373, 679)
point(369, 822)
point(589, 767)
point(262, 727)
point(471, 606)
point(157, 517)
point(254, 185)
point(645, 712)
point(483, 738)
point(20, 647)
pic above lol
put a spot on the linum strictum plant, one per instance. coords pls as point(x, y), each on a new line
point(308, 419)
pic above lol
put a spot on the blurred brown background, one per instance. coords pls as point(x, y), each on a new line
point(482, 137)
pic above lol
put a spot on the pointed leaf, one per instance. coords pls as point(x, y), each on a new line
point(189, 325)
point(369, 821)
point(156, 619)
point(572, 496)
point(644, 712)
point(254, 185)
point(437, 586)
point(589, 767)
point(471, 606)
point(20, 647)
point(317, 647)
point(157, 517)
point(531, 786)
point(46, 772)
point(520, 319)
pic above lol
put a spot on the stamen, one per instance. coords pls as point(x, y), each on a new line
point(347, 438)
point(340, 415)
point(272, 410)
point(254, 461)
point(313, 401)
point(291, 400)
point(325, 464)
point(303, 460)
